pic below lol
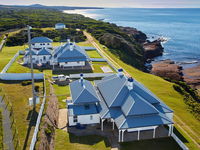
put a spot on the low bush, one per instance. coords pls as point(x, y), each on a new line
point(24, 83)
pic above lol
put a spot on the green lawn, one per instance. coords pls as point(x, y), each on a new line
point(85, 43)
point(62, 90)
point(7, 54)
point(64, 140)
point(1, 131)
point(93, 54)
point(18, 96)
point(165, 91)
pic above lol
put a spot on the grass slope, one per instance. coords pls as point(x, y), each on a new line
point(18, 96)
point(64, 140)
point(165, 91)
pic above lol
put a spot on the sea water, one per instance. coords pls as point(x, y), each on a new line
point(180, 26)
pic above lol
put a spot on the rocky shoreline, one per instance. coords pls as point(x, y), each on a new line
point(167, 68)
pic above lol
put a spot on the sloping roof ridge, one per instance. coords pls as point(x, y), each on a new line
point(79, 95)
point(94, 91)
point(118, 93)
point(105, 80)
point(145, 101)
point(122, 122)
point(131, 106)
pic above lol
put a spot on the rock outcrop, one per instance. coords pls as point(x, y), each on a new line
point(153, 49)
point(168, 69)
point(136, 34)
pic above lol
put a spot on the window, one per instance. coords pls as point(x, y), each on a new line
point(33, 44)
point(65, 62)
point(44, 57)
point(48, 44)
point(78, 62)
point(41, 44)
point(87, 107)
point(75, 119)
point(91, 117)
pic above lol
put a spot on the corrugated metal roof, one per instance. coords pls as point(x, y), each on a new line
point(64, 54)
point(135, 105)
point(113, 90)
point(44, 51)
point(60, 24)
point(40, 40)
point(82, 109)
point(83, 92)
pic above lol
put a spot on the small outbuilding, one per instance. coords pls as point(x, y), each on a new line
point(60, 26)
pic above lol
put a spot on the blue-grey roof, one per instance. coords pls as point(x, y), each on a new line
point(135, 105)
point(64, 54)
point(20, 76)
point(82, 109)
point(113, 90)
point(28, 53)
point(44, 51)
point(144, 121)
point(83, 92)
point(60, 24)
point(40, 40)
point(130, 108)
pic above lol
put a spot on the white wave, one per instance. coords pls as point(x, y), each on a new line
point(188, 62)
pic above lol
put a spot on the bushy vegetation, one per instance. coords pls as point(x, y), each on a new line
point(11, 18)
point(191, 97)
point(56, 35)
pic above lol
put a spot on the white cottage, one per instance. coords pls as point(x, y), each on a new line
point(70, 55)
point(60, 26)
point(41, 42)
point(39, 57)
point(82, 109)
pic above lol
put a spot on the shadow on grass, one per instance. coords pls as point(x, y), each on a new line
point(32, 117)
point(88, 140)
point(180, 136)
point(154, 144)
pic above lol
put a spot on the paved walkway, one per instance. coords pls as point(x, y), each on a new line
point(7, 131)
point(2, 43)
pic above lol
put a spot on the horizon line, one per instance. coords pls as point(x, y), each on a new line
point(107, 7)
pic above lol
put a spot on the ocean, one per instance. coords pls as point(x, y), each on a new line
point(181, 28)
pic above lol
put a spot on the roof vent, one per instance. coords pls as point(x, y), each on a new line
point(120, 72)
point(130, 83)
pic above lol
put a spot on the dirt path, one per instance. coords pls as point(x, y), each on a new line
point(62, 119)
point(183, 126)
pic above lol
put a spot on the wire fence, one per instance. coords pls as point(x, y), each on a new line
point(5, 69)
point(15, 133)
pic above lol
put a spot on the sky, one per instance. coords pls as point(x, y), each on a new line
point(110, 3)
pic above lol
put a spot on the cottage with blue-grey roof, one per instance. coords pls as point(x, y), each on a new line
point(70, 55)
point(83, 108)
point(60, 26)
point(128, 105)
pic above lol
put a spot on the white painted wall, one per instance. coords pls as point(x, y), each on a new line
point(41, 45)
point(37, 59)
point(70, 64)
point(84, 119)
point(60, 26)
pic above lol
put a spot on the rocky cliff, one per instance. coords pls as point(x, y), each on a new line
point(168, 69)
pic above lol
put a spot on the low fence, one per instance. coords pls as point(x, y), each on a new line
point(180, 143)
point(5, 69)
point(34, 138)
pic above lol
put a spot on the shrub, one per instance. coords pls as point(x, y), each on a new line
point(24, 83)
